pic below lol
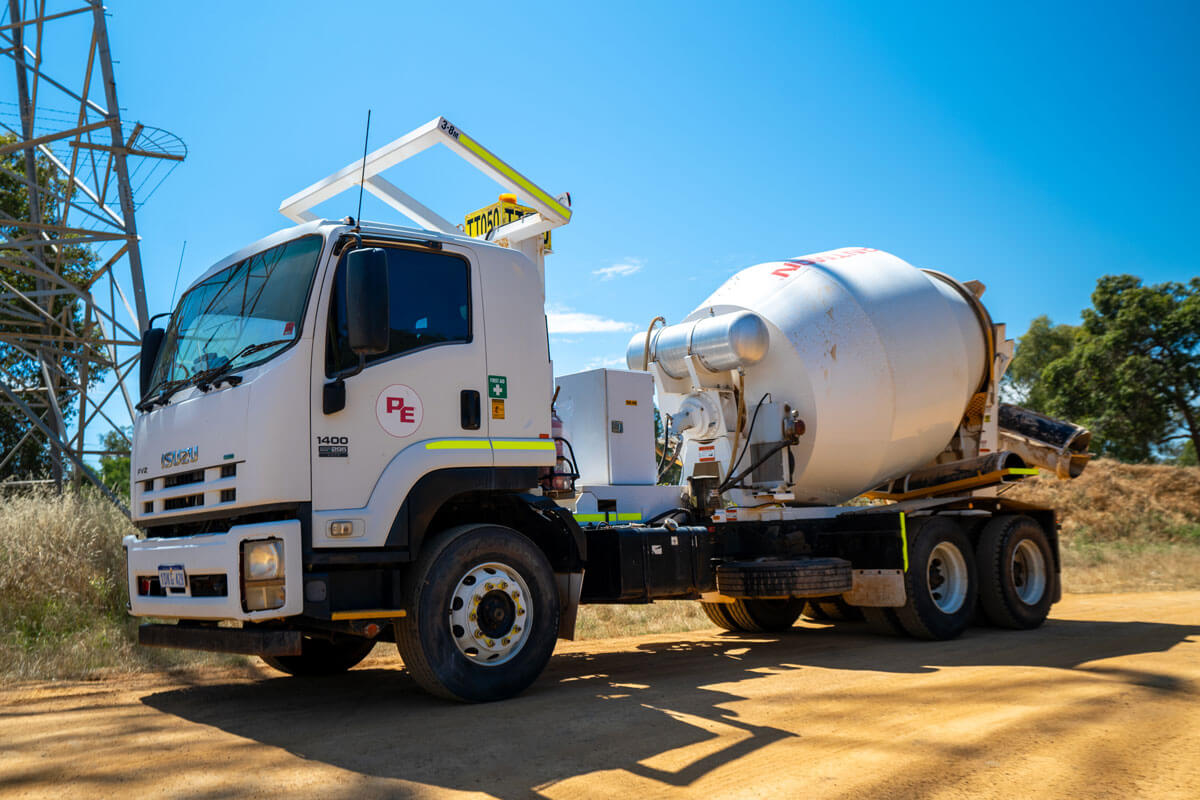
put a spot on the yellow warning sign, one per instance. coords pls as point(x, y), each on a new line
point(485, 220)
point(497, 409)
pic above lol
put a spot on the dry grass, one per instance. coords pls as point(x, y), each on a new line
point(62, 590)
point(666, 616)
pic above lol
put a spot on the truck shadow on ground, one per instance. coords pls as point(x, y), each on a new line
point(628, 710)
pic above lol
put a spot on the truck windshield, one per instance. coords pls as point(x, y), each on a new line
point(249, 311)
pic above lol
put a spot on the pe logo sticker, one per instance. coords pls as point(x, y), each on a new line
point(398, 410)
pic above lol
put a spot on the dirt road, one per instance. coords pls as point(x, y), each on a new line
point(1103, 701)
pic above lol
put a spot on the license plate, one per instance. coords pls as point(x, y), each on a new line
point(172, 577)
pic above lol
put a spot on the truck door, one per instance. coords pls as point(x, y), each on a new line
point(427, 387)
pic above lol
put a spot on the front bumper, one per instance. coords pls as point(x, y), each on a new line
point(250, 642)
point(209, 555)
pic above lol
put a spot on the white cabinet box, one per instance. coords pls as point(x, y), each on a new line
point(608, 417)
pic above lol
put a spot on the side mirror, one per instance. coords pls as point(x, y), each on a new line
point(152, 341)
point(368, 325)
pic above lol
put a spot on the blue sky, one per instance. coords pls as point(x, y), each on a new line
point(1034, 147)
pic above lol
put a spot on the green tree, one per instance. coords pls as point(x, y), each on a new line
point(76, 264)
point(1043, 344)
point(1133, 372)
point(114, 467)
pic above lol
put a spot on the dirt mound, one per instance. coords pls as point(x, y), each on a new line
point(1112, 501)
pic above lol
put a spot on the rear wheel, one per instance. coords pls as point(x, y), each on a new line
point(815, 610)
point(766, 615)
point(719, 615)
point(940, 582)
point(1016, 572)
point(884, 620)
point(320, 656)
point(483, 615)
point(839, 610)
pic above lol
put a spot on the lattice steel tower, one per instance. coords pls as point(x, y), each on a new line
point(72, 297)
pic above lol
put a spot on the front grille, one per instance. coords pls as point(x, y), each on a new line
point(187, 501)
point(183, 478)
point(202, 487)
point(173, 530)
point(209, 585)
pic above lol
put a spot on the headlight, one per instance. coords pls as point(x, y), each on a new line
point(262, 575)
point(262, 561)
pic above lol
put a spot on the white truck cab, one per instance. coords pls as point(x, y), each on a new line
point(453, 397)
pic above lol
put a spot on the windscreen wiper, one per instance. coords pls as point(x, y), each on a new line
point(169, 388)
point(205, 379)
point(214, 376)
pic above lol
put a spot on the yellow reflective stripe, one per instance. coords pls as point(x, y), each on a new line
point(904, 540)
point(534, 444)
point(374, 613)
point(590, 517)
point(513, 175)
point(629, 517)
point(1022, 471)
point(458, 444)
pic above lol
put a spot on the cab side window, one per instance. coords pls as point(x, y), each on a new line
point(429, 300)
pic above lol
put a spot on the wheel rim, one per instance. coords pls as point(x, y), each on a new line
point(947, 577)
point(490, 614)
point(1028, 572)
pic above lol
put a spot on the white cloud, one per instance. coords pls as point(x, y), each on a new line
point(628, 267)
point(564, 320)
point(609, 362)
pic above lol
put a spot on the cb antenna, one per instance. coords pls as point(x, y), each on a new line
point(363, 177)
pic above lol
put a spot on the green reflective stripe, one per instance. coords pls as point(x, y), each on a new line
point(535, 444)
point(609, 516)
point(904, 540)
point(513, 175)
point(1022, 471)
point(459, 444)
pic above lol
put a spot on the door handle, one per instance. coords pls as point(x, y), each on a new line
point(469, 405)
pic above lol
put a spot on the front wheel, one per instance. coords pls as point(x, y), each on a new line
point(483, 614)
point(323, 656)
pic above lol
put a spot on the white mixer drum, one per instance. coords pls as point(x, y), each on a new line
point(880, 359)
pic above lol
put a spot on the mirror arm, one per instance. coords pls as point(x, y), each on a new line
point(333, 395)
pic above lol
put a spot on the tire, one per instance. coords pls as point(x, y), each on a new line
point(814, 577)
point(719, 616)
point(884, 620)
point(319, 656)
point(1016, 572)
point(815, 610)
point(839, 610)
point(453, 653)
point(941, 581)
point(769, 616)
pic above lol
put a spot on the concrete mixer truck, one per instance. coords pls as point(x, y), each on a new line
point(346, 436)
